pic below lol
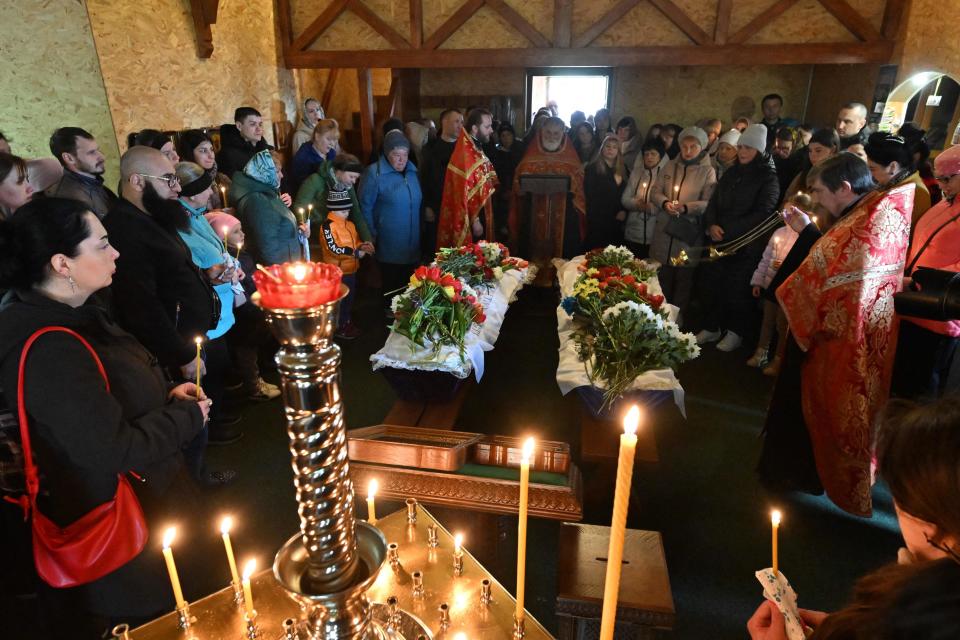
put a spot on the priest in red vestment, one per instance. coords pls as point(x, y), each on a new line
point(839, 305)
point(551, 153)
point(468, 186)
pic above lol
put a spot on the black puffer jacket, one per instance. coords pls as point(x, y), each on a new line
point(235, 151)
point(84, 435)
point(745, 196)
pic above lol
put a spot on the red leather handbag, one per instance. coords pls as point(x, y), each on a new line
point(103, 539)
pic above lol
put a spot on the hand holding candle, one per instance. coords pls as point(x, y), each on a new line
point(223, 196)
point(775, 517)
point(676, 194)
point(168, 537)
point(618, 525)
point(199, 341)
point(225, 526)
point(371, 501)
point(248, 570)
point(528, 447)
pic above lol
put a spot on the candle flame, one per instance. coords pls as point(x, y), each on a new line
point(775, 517)
point(223, 189)
point(300, 210)
point(460, 636)
point(226, 524)
point(168, 537)
point(528, 446)
point(632, 421)
point(249, 568)
point(457, 542)
point(372, 489)
point(226, 230)
point(239, 244)
point(299, 271)
point(198, 340)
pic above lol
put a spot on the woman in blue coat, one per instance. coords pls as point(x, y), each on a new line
point(390, 200)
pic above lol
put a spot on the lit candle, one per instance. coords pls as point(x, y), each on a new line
point(458, 544)
point(300, 215)
point(299, 271)
point(248, 570)
point(528, 446)
point(371, 503)
point(239, 245)
point(676, 193)
point(775, 521)
point(198, 340)
point(168, 537)
point(225, 526)
point(223, 196)
point(226, 230)
point(776, 248)
point(814, 219)
point(310, 210)
point(618, 524)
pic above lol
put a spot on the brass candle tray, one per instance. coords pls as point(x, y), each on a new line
point(434, 449)
point(506, 451)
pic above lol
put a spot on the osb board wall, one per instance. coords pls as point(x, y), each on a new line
point(153, 77)
point(51, 78)
point(932, 40)
point(644, 25)
point(345, 99)
point(836, 84)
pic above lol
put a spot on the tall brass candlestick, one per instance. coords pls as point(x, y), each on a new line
point(618, 525)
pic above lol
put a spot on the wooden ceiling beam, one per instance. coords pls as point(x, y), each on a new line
point(416, 23)
point(761, 21)
point(562, 22)
point(683, 22)
point(204, 15)
point(851, 19)
point(813, 53)
point(366, 14)
point(518, 22)
point(318, 26)
point(892, 16)
point(454, 22)
point(609, 19)
point(722, 30)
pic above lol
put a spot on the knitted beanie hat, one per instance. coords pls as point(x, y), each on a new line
point(696, 133)
point(755, 137)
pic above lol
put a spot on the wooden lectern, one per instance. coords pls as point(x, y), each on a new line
point(543, 223)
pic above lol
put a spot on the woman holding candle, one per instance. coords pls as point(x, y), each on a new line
point(681, 194)
point(196, 146)
point(641, 211)
point(270, 227)
point(54, 255)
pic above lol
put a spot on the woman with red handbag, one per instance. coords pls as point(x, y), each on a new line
point(96, 418)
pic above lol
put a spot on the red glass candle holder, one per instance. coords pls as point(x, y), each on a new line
point(298, 285)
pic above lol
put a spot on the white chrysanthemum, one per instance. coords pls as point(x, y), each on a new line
point(619, 251)
point(395, 303)
point(635, 308)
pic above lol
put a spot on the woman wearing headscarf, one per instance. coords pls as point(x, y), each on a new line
point(196, 146)
point(311, 114)
point(270, 227)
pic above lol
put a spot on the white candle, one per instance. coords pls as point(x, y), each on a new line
point(618, 525)
point(223, 193)
point(528, 447)
point(248, 570)
point(775, 517)
point(371, 501)
point(225, 526)
point(198, 340)
point(168, 537)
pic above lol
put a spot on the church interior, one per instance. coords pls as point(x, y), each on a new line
point(682, 507)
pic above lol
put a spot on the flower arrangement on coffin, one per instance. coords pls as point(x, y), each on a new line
point(622, 329)
point(436, 307)
point(621, 258)
point(478, 263)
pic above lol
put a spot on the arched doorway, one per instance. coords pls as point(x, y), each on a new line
point(931, 99)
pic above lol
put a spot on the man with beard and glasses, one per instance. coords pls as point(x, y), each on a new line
point(548, 219)
point(469, 185)
point(159, 295)
point(83, 166)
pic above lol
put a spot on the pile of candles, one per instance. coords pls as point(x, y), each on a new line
point(297, 285)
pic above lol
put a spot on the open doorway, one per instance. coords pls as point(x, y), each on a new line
point(571, 88)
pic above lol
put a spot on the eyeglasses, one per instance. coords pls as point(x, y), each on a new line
point(946, 178)
point(170, 178)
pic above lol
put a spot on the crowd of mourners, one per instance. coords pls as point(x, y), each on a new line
point(141, 274)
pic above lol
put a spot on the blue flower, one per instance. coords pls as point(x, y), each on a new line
point(569, 305)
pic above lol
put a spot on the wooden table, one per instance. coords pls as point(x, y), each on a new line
point(645, 605)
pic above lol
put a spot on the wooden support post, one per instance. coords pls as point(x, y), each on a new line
point(365, 84)
point(562, 22)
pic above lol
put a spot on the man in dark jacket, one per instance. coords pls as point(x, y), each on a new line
point(436, 157)
point(746, 195)
point(159, 295)
point(83, 167)
point(241, 140)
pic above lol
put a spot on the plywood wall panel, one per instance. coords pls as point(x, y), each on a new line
point(806, 21)
point(932, 41)
point(51, 78)
point(644, 25)
point(538, 13)
point(154, 78)
point(349, 33)
point(486, 29)
point(703, 13)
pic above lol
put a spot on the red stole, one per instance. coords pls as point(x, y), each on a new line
point(839, 304)
point(467, 187)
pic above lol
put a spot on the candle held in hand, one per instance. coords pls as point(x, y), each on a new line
point(371, 501)
point(225, 525)
point(775, 517)
point(248, 570)
point(618, 524)
point(168, 537)
point(223, 196)
point(528, 447)
point(239, 246)
point(199, 341)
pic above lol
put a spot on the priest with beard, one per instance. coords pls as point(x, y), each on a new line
point(159, 295)
point(546, 223)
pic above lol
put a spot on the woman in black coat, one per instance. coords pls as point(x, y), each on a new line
point(54, 254)
point(746, 195)
point(604, 180)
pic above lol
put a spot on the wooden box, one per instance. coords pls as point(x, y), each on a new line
point(434, 449)
point(506, 451)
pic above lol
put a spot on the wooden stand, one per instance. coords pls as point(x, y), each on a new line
point(645, 604)
point(546, 219)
